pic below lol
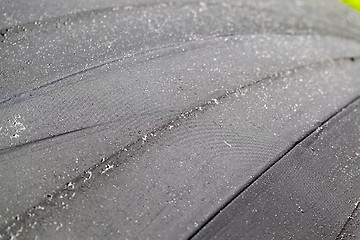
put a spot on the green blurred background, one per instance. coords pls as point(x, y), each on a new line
point(353, 3)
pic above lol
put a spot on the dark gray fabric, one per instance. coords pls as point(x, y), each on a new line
point(141, 121)
point(351, 229)
point(311, 193)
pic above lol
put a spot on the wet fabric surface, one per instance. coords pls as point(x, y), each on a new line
point(143, 119)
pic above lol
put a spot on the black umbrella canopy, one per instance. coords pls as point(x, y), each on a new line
point(179, 119)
